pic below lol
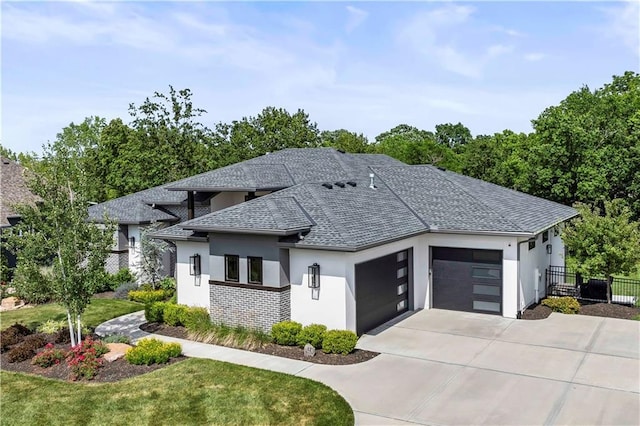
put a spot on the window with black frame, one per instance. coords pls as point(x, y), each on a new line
point(231, 267)
point(254, 265)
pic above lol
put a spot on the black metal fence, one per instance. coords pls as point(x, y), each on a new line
point(562, 281)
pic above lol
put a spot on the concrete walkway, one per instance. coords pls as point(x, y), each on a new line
point(444, 367)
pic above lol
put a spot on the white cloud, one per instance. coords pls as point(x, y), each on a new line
point(623, 24)
point(534, 56)
point(435, 34)
point(356, 18)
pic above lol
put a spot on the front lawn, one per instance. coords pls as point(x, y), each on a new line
point(195, 391)
point(99, 311)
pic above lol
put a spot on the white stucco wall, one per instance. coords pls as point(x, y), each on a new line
point(192, 290)
point(334, 297)
point(134, 252)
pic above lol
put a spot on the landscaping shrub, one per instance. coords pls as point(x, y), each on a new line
point(197, 319)
point(286, 332)
point(174, 314)
point(20, 329)
point(84, 359)
point(116, 338)
point(565, 305)
point(33, 284)
point(12, 335)
point(51, 326)
point(154, 312)
point(122, 292)
point(123, 276)
point(20, 353)
point(312, 334)
point(35, 341)
point(148, 296)
point(63, 336)
point(49, 356)
point(339, 342)
point(167, 284)
point(152, 351)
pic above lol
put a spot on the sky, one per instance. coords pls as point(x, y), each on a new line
point(361, 66)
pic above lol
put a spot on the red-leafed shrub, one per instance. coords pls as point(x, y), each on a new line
point(49, 356)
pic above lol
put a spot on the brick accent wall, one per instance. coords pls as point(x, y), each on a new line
point(250, 306)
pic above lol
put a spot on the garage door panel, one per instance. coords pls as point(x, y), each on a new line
point(382, 290)
point(467, 280)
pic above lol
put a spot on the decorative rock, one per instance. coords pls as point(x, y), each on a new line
point(309, 350)
point(116, 351)
point(11, 303)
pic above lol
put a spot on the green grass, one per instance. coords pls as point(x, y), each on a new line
point(99, 311)
point(192, 392)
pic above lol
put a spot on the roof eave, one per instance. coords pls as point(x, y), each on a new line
point(249, 231)
point(226, 189)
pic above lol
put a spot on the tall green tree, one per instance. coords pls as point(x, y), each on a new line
point(414, 146)
point(604, 242)
point(588, 145)
point(151, 254)
point(271, 130)
point(453, 135)
point(346, 141)
point(56, 245)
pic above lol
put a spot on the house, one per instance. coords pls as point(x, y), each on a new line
point(353, 240)
point(13, 191)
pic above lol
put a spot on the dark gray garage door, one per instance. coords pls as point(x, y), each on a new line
point(382, 289)
point(467, 280)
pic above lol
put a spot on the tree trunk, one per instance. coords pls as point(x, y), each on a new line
point(609, 284)
point(79, 331)
point(71, 333)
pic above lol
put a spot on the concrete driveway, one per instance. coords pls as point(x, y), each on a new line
point(444, 367)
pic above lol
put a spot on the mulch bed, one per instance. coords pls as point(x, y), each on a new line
point(609, 310)
point(291, 352)
point(114, 371)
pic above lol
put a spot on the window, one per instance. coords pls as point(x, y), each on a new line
point(532, 244)
point(254, 265)
point(488, 273)
point(402, 256)
point(402, 272)
point(231, 267)
point(545, 236)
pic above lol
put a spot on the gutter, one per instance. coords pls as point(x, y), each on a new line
point(250, 231)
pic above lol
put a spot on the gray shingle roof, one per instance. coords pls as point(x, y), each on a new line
point(270, 215)
point(176, 232)
point(13, 190)
point(135, 208)
point(448, 201)
point(283, 169)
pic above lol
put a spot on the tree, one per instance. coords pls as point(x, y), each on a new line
point(414, 146)
point(452, 135)
point(604, 242)
point(272, 130)
point(56, 245)
point(346, 141)
point(587, 148)
point(151, 253)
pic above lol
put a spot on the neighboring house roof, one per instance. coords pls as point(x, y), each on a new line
point(137, 208)
point(13, 190)
point(409, 200)
point(283, 169)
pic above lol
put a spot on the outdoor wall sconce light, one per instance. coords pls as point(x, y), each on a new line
point(314, 276)
point(132, 242)
point(194, 265)
point(549, 249)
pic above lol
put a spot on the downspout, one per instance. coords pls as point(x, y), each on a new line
point(519, 315)
point(190, 205)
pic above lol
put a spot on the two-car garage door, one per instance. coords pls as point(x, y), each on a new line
point(467, 279)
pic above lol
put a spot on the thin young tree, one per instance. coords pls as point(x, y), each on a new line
point(604, 242)
point(151, 253)
point(56, 245)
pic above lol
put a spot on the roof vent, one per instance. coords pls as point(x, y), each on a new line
point(352, 183)
point(441, 168)
point(340, 184)
point(372, 185)
point(327, 185)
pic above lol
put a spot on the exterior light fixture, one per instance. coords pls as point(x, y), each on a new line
point(549, 249)
point(132, 242)
point(194, 265)
point(314, 276)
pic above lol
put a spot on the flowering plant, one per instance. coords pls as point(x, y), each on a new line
point(84, 358)
point(49, 356)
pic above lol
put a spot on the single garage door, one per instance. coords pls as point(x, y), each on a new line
point(467, 279)
point(382, 290)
